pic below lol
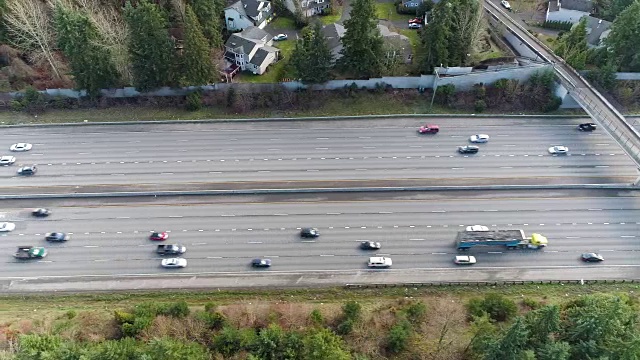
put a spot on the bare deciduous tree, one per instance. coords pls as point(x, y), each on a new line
point(30, 30)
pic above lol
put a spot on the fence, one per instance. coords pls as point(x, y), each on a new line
point(492, 283)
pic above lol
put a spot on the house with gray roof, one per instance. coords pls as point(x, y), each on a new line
point(396, 44)
point(413, 4)
point(308, 7)
point(245, 13)
point(569, 10)
point(251, 50)
point(597, 31)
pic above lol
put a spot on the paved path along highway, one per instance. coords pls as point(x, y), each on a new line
point(185, 156)
point(417, 231)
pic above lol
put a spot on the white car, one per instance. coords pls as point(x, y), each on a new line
point(20, 147)
point(477, 228)
point(464, 260)
point(379, 262)
point(7, 160)
point(505, 4)
point(174, 263)
point(280, 37)
point(558, 150)
point(7, 226)
point(414, 26)
point(479, 138)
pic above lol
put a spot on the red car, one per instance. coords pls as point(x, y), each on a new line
point(159, 236)
point(429, 129)
point(415, 21)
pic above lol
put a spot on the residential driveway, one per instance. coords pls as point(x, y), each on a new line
point(291, 33)
point(346, 11)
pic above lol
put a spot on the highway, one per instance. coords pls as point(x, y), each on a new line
point(417, 231)
point(185, 156)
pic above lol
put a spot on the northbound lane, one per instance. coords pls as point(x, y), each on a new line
point(416, 230)
point(182, 157)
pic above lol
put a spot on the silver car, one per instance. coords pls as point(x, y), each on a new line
point(7, 160)
point(174, 263)
point(479, 138)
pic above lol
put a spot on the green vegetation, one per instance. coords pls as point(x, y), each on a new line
point(550, 322)
point(283, 23)
point(387, 11)
point(312, 60)
point(558, 25)
point(334, 17)
point(275, 72)
point(362, 51)
point(573, 46)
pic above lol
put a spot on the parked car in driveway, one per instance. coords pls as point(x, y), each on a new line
point(560, 150)
point(414, 26)
point(280, 37)
point(417, 20)
point(587, 127)
point(469, 149)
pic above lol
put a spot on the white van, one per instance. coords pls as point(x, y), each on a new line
point(379, 262)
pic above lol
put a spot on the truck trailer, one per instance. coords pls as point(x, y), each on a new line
point(511, 239)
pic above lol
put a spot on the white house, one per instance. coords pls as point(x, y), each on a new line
point(251, 50)
point(308, 7)
point(568, 10)
point(244, 13)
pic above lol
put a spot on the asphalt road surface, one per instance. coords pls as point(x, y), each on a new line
point(417, 231)
point(185, 156)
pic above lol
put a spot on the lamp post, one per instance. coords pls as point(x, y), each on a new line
point(435, 86)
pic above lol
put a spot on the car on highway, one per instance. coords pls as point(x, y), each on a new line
point(428, 129)
point(469, 149)
point(261, 263)
point(159, 236)
point(464, 260)
point(27, 170)
point(174, 263)
point(309, 233)
point(56, 236)
point(558, 150)
point(591, 257)
point(41, 212)
point(21, 147)
point(477, 228)
point(369, 245)
point(415, 26)
point(7, 226)
point(280, 37)
point(505, 4)
point(379, 262)
point(587, 127)
point(479, 138)
point(171, 249)
point(7, 160)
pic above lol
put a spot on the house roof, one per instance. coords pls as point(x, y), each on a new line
point(238, 6)
point(333, 33)
point(251, 7)
point(235, 41)
point(255, 33)
point(385, 32)
point(261, 55)
point(595, 29)
point(580, 5)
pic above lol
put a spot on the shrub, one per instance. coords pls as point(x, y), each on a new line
point(213, 320)
point(345, 327)
point(231, 340)
point(498, 307)
point(351, 310)
point(553, 104)
point(480, 106)
point(210, 306)
point(316, 317)
point(399, 336)
point(194, 101)
point(531, 303)
point(123, 317)
point(178, 309)
point(557, 25)
point(70, 314)
point(416, 311)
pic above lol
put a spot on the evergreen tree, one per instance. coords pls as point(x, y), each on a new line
point(210, 14)
point(616, 7)
point(624, 36)
point(90, 63)
point(312, 59)
point(198, 67)
point(362, 51)
point(151, 50)
point(573, 46)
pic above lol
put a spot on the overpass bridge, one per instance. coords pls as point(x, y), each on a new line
point(600, 110)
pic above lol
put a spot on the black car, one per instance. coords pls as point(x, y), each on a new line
point(40, 212)
point(261, 263)
point(56, 236)
point(592, 257)
point(27, 170)
point(469, 149)
point(309, 233)
point(369, 245)
point(587, 127)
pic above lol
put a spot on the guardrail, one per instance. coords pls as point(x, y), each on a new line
point(491, 283)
